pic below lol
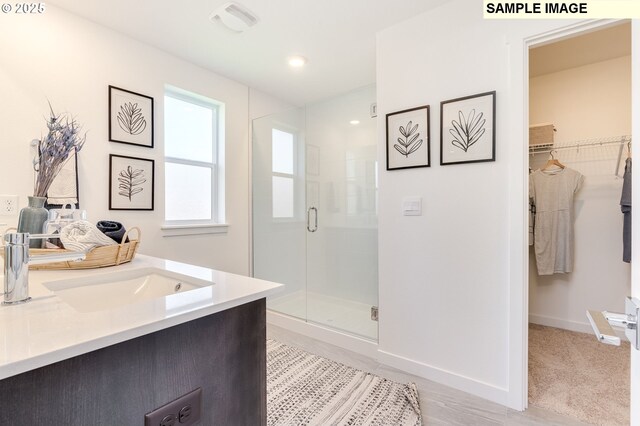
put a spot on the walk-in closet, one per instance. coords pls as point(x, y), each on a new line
point(579, 147)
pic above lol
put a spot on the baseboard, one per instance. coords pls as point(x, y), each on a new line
point(353, 343)
point(475, 387)
point(580, 327)
point(370, 349)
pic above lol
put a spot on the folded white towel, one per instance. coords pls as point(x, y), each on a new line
point(83, 236)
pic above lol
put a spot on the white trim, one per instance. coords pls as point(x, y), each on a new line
point(194, 229)
point(466, 384)
point(569, 31)
point(635, 240)
point(577, 326)
point(370, 349)
point(250, 182)
point(217, 110)
point(356, 344)
point(580, 327)
point(518, 219)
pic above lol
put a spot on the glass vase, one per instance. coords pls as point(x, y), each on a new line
point(32, 219)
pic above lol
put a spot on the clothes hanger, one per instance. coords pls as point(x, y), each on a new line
point(628, 149)
point(553, 162)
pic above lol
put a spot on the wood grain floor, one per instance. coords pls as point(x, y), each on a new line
point(440, 404)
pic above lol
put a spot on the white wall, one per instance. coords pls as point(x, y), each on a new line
point(451, 283)
point(592, 101)
point(70, 61)
point(262, 104)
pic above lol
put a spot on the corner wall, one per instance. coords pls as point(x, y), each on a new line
point(451, 281)
point(70, 61)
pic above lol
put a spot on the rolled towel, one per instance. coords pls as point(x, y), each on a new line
point(83, 236)
point(111, 229)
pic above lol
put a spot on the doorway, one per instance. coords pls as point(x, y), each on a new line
point(580, 116)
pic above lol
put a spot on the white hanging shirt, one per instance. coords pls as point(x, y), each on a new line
point(552, 192)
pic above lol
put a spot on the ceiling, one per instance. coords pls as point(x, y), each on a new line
point(596, 46)
point(337, 37)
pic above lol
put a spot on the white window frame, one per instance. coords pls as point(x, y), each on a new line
point(216, 223)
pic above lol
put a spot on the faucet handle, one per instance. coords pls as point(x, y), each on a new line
point(18, 238)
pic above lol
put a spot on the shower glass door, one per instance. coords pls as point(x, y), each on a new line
point(279, 216)
point(315, 211)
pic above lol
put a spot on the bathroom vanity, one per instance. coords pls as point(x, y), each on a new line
point(105, 347)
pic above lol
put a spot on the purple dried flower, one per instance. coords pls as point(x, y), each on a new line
point(54, 149)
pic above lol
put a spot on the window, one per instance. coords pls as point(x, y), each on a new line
point(282, 180)
point(191, 139)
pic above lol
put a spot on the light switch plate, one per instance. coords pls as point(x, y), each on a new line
point(412, 206)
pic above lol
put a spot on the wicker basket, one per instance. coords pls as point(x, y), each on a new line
point(99, 257)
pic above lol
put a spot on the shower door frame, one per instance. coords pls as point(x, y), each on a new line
point(305, 326)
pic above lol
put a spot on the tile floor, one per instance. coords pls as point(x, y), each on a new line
point(440, 404)
point(341, 314)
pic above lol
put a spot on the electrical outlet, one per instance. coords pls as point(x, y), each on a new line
point(8, 205)
point(184, 411)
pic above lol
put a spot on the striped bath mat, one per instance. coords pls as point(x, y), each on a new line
point(305, 389)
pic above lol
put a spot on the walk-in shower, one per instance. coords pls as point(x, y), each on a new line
point(315, 211)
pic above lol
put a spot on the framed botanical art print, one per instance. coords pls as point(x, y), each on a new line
point(408, 142)
point(131, 183)
point(467, 129)
point(130, 117)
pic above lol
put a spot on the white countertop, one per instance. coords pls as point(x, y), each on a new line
point(46, 330)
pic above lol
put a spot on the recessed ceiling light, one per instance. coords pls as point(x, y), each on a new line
point(297, 61)
point(354, 122)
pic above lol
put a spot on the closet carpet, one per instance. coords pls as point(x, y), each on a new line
point(573, 374)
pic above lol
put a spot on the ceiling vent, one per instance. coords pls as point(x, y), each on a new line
point(234, 17)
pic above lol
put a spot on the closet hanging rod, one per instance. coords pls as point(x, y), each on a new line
point(621, 141)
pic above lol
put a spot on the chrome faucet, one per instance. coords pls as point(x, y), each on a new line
point(17, 261)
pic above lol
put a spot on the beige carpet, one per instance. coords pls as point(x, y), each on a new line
point(575, 375)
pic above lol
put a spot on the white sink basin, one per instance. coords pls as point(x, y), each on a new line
point(121, 288)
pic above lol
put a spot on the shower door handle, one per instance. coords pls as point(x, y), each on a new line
point(315, 224)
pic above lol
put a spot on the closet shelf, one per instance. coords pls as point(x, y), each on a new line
point(618, 142)
point(544, 147)
point(587, 143)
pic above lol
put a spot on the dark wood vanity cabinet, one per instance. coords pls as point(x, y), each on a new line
point(223, 353)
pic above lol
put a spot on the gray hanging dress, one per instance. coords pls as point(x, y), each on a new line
point(552, 192)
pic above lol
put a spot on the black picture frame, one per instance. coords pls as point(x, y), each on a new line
point(127, 191)
point(131, 117)
point(468, 129)
point(408, 139)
